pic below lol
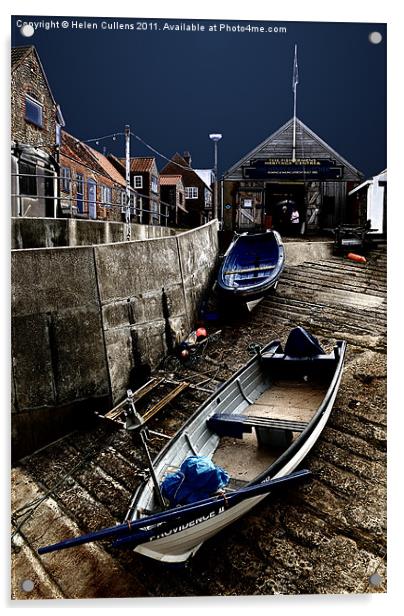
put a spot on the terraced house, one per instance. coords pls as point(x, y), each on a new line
point(198, 195)
point(172, 192)
point(90, 185)
point(36, 122)
point(145, 181)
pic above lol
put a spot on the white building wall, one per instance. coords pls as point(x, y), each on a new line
point(375, 202)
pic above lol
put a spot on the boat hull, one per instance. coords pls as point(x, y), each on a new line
point(181, 542)
point(251, 267)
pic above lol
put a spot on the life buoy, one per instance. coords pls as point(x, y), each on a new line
point(358, 258)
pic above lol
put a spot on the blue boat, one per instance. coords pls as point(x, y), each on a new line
point(251, 266)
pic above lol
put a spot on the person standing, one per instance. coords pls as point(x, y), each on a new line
point(294, 221)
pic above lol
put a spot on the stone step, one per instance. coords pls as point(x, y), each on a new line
point(377, 316)
point(85, 571)
point(323, 280)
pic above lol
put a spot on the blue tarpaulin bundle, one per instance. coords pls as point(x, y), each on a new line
point(197, 478)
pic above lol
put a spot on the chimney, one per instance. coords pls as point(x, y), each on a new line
point(187, 157)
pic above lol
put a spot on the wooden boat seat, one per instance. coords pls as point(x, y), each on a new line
point(250, 270)
point(269, 431)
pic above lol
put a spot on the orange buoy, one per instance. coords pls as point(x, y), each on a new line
point(357, 258)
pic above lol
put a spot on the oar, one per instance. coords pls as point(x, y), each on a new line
point(186, 511)
point(227, 501)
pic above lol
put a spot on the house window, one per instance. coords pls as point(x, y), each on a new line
point(79, 192)
point(154, 207)
point(28, 179)
point(58, 134)
point(65, 173)
point(106, 196)
point(80, 183)
point(138, 181)
point(154, 184)
point(191, 192)
point(33, 111)
point(208, 198)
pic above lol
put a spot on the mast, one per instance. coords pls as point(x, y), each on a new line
point(295, 81)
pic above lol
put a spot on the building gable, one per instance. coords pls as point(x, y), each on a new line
point(20, 55)
point(279, 146)
point(35, 116)
point(179, 166)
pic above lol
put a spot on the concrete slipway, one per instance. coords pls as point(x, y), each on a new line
point(327, 536)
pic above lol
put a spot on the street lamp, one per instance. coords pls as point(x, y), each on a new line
point(215, 137)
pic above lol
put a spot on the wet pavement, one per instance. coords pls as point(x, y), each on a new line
point(325, 536)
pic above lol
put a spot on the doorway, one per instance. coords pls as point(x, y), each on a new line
point(281, 199)
point(92, 199)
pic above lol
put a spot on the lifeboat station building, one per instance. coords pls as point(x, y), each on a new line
point(269, 184)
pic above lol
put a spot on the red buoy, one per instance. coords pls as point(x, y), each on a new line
point(201, 333)
point(358, 258)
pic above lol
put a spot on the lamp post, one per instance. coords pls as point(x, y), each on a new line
point(215, 137)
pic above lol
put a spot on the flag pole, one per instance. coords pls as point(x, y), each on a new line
point(294, 84)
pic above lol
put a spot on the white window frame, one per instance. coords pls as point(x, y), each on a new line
point(58, 134)
point(191, 192)
point(66, 179)
point(106, 196)
point(33, 101)
point(154, 184)
point(123, 201)
point(208, 198)
point(137, 181)
point(155, 212)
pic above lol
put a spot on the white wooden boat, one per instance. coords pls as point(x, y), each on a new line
point(259, 426)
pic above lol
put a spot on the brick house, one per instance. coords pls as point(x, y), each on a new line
point(90, 186)
point(172, 195)
point(145, 180)
point(36, 122)
point(198, 195)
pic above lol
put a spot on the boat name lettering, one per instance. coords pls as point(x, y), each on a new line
point(186, 525)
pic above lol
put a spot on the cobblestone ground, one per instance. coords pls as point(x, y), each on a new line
point(326, 536)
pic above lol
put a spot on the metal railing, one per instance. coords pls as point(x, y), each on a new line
point(76, 200)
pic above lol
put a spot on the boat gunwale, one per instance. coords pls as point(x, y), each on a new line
point(288, 454)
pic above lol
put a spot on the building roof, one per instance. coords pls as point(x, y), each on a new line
point(207, 175)
point(380, 177)
point(179, 164)
point(287, 128)
point(170, 179)
point(80, 152)
point(139, 164)
point(108, 167)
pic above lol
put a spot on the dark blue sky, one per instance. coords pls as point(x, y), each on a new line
point(174, 88)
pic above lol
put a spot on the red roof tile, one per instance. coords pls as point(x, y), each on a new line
point(170, 179)
point(76, 150)
point(108, 167)
point(140, 164)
